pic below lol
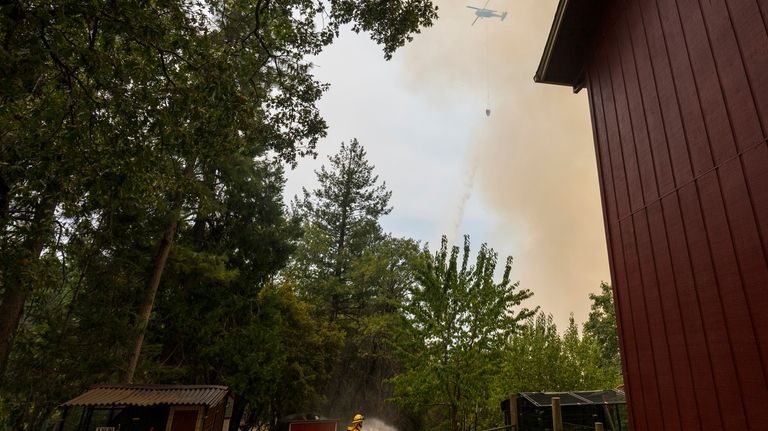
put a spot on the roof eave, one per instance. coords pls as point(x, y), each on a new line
point(554, 31)
point(563, 59)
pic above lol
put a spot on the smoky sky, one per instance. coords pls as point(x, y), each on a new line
point(532, 162)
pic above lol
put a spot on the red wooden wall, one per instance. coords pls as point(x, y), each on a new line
point(679, 99)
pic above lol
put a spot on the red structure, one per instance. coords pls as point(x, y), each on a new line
point(148, 408)
point(678, 91)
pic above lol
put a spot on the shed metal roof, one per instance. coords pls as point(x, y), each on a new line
point(150, 395)
point(580, 398)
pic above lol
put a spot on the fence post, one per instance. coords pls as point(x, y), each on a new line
point(513, 412)
point(557, 419)
point(599, 426)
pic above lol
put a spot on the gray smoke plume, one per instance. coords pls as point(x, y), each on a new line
point(532, 162)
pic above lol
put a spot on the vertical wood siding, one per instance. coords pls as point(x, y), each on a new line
point(679, 101)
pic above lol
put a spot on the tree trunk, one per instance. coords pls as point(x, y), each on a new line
point(455, 424)
point(14, 281)
point(14, 297)
point(338, 269)
point(237, 414)
point(5, 202)
point(145, 309)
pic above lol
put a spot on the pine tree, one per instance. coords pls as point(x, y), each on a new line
point(341, 220)
point(357, 276)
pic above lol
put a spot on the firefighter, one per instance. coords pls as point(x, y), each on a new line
point(357, 423)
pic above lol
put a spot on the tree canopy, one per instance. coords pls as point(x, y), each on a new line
point(356, 275)
point(539, 358)
point(341, 223)
point(602, 326)
point(458, 321)
point(138, 151)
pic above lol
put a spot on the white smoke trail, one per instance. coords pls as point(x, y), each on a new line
point(374, 424)
point(468, 185)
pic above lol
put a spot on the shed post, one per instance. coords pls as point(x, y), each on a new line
point(512, 412)
point(557, 419)
point(609, 417)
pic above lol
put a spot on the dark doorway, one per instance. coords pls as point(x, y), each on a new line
point(184, 420)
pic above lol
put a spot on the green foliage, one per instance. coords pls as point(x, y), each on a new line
point(119, 119)
point(458, 320)
point(538, 358)
point(356, 274)
point(222, 318)
point(73, 335)
point(381, 276)
point(602, 326)
point(341, 222)
point(275, 373)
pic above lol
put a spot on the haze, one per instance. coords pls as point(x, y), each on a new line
point(524, 180)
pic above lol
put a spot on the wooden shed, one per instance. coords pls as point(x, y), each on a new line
point(678, 92)
point(148, 408)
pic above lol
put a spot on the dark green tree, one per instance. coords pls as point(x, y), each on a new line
point(357, 275)
point(222, 318)
point(116, 119)
point(458, 322)
point(96, 95)
point(341, 223)
point(381, 277)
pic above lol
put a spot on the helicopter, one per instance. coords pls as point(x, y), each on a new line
point(486, 13)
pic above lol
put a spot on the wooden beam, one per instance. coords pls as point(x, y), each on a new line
point(557, 418)
point(513, 412)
